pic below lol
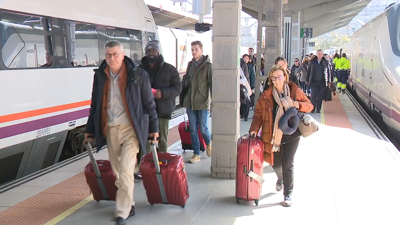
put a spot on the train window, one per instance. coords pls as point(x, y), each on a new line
point(25, 42)
point(394, 28)
point(121, 35)
point(83, 44)
point(136, 46)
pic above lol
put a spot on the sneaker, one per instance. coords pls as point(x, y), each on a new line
point(195, 158)
point(287, 202)
point(279, 185)
point(208, 150)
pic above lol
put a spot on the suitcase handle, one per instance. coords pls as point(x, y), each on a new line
point(158, 173)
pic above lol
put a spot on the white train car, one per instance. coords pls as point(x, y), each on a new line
point(374, 52)
point(46, 97)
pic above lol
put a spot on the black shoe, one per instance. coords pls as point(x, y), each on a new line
point(138, 176)
point(313, 111)
point(245, 119)
point(318, 111)
point(132, 212)
point(120, 221)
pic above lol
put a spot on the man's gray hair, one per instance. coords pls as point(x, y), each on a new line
point(112, 44)
point(320, 50)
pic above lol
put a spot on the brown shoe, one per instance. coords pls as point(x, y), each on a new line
point(208, 150)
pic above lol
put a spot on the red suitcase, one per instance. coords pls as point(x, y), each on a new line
point(165, 182)
point(100, 178)
point(186, 141)
point(249, 168)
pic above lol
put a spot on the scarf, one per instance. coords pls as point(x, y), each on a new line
point(284, 103)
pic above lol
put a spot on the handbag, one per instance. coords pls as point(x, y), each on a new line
point(307, 125)
point(327, 95)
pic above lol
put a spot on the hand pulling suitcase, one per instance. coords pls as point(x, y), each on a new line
point(249, 168)
point(165, 182)
point(186, 140)
point(100, 178)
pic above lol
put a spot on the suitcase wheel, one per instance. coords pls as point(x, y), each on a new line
point(183, 206)
point(151, 204)
point(256, 201)
point(237, 200)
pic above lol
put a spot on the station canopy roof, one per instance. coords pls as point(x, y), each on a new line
point(321, 15)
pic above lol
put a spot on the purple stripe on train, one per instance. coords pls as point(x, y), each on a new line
point(384, 108)
point(41, 123)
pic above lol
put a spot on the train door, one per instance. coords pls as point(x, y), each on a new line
point(371, 64)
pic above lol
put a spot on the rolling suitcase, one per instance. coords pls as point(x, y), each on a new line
point(249, 168)
point(165, 181)
point(100, 178)
point(186, 141)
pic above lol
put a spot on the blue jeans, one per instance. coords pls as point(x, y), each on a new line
point(198, 119)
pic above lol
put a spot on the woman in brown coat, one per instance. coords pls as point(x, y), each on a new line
point(279, 149)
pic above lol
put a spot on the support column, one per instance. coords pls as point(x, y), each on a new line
point(287, 37)
point(296, 40)
point(225, 95)
point(272, 23)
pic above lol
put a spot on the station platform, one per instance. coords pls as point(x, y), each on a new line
point(344, 174)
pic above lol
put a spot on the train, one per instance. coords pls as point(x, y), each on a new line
point(374, 54)
point(48, 54)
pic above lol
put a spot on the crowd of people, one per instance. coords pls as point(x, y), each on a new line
point(131, 104)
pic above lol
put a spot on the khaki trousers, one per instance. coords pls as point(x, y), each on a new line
point(163, 126)
point(123, 146)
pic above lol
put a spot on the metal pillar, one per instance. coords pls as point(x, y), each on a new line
point(287, 37)
point(225, 95)
point(296, 40)
point(272, 24)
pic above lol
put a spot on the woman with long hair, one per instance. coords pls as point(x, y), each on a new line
point(279, 149)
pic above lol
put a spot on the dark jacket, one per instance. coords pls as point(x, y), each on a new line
point(140, 101)
point(245, 69)
point(252, 75)
point(312, 70)
point(167, 80)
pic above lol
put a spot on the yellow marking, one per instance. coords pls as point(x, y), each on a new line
point(70, 211)
point(322, 115)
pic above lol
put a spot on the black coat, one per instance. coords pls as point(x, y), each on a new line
point(312, 70)
point(139, 98)
point(167, 80)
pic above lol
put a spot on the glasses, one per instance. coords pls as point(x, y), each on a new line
point(276, 78)
point(115, 55)
point(296, 60)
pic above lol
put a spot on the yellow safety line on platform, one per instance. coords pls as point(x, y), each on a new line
point(322, 115)
point(70, 211)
